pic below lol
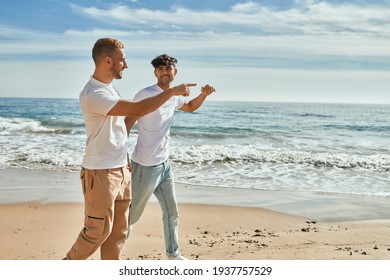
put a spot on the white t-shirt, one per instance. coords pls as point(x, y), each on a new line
point(106, 146)
point(154, 129)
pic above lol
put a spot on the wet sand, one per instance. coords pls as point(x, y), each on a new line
point(215, 224)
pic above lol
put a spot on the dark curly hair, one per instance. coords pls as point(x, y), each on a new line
point(163, 60)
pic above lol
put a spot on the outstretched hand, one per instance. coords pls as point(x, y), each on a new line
point(207, 90)
point(183, 89)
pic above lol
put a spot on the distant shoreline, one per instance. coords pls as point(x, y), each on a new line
point(228, 101)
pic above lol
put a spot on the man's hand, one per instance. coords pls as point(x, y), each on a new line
point(128, 164)
point(183, 89)
point(207, 90)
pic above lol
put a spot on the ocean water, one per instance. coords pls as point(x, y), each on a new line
point(322, 148)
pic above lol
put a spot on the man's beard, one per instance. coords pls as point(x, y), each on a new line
point(117, 74)
point(166, 81)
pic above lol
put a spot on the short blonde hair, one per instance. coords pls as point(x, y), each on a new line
point(105, 47)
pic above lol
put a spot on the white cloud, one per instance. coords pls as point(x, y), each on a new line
point(310, 30)
point(312, 47)
point(248, 7)
point(307, 18)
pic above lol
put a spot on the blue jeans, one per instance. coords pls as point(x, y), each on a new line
point(157, 180)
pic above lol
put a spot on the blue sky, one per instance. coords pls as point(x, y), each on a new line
point(283, 51)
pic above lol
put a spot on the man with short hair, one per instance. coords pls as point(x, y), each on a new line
point(105, 177)
point(152, 172)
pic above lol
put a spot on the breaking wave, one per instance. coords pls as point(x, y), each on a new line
point(207, 154)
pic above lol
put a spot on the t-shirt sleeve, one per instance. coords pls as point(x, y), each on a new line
point(101, 102)
point(141, 95)
point(179, 101)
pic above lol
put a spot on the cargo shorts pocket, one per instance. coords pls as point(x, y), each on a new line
point(96, 215)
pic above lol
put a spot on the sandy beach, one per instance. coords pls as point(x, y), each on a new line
point(45, 230)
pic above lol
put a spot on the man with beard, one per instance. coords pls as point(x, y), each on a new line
point(152, 172)
point(105, 177)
